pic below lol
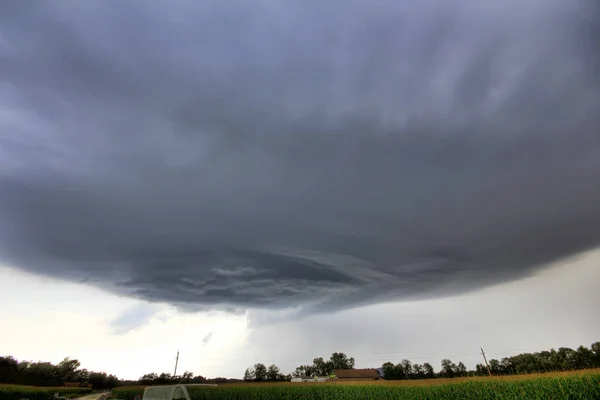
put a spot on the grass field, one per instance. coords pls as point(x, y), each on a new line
point(16, 392)
point(583, 385)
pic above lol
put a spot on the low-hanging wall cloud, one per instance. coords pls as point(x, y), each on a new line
point(315, 155)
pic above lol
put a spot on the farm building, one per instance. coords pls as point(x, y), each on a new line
point(313, 379)
point(356, 374)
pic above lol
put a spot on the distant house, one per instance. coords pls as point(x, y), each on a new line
point(356, 374)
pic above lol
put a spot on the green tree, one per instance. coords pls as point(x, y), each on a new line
point(567, 357)
point(82, 375)
point(322, 367)
point(393, 372)
point(461, 369)
point(583, 358)
point(389, 371)
point(9, 369)
point(111, 381)
point(341, 361)
point(42, 374)
point(260, 372)
point(187, 377)
point(507, 367)
point(495, 367)
point(429, 372)
point(164, 378)
point(148, 379)
point(273, 373)
point(480, 370)
point(298, 372)
point(98, 380)
point(66, 370)
point(448, 368)
point(418, 371)
point(595, 347)
point(249, 374)
point(304, 371)
point(406, 369)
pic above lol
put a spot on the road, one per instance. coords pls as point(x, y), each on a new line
point(94, 396)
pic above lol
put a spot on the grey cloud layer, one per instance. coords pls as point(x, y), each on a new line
point(299, 154)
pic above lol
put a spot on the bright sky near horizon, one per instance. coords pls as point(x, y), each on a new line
point(51, 319)
point(272, 181)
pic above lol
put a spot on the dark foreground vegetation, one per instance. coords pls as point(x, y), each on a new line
point(17, 392)
point(67, 372)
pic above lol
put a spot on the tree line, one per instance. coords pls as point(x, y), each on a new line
point(260, 373)
point(320, 367)
point(47, 374)
point(187, 377)
point(68, 370)
point(563, 359)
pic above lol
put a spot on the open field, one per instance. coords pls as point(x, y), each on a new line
point(584, 385)
point(16, 392)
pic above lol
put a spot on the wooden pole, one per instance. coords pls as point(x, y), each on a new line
point(176, 361)
point(486, 363)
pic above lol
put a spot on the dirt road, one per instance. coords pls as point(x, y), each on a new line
point(94, 396)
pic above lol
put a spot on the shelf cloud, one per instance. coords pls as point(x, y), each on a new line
point(310, 155)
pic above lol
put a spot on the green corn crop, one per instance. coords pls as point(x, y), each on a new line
point(16, 392)
point(127, 393)
point(571, 388)
point(575, 387)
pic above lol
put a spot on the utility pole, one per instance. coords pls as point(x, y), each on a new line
point(177, 360)
point(486, 363)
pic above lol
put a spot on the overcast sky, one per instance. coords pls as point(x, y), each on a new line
point(265, 177)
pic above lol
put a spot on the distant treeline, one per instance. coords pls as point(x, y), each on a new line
point(563, 359)
point(47, 374)
point(186, 378)
point(68, 371)
point(259, 372)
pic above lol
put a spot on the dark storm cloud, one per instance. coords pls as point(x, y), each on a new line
point(317, 155)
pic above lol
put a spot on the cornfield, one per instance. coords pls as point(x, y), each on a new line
point(16, 392)
point(127, 392)
point(572, 387)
